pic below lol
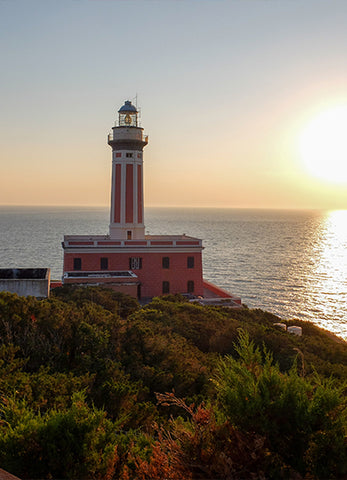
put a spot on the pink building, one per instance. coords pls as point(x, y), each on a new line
point(126, 259)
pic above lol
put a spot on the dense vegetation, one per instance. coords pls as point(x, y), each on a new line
point(93, 386)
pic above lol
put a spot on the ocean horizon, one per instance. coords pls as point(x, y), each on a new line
point(292, 263)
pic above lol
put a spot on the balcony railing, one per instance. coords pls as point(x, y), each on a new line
point(111, 137)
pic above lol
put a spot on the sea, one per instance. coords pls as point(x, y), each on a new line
point(291, 263)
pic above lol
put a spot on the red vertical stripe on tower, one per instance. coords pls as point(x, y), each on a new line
point(139, 194)
point(117, 193)
point(129, 194)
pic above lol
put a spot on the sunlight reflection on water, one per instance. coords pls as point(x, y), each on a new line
point(326, 277)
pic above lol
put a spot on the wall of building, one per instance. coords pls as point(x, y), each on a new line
point(151, 274)
point(36, 288)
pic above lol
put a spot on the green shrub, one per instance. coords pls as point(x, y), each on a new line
point(75, 443)
point(299, 416)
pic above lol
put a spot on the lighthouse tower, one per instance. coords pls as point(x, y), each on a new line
point(126, 259)
point(127, 142)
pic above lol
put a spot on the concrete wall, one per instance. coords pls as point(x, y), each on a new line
point(36, 287)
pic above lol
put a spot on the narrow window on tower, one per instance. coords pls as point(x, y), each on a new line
point(190, 286)
point(135, 263)
point(103, 263)
point(190, 262)
point(166, 287)
point(77, 263)
point(166, 262)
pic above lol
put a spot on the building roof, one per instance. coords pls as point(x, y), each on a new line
point(127, 107)
point(101, 274)
point(105, 241)
point(95, 238)
point(7, 476)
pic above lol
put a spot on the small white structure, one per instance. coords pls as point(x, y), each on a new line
point(295, 330)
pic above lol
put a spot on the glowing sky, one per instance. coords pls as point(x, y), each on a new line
point(225, 86)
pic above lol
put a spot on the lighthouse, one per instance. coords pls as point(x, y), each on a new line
point(127, 142)
point(126, 259)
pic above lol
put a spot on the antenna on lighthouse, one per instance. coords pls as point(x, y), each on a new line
point(139, 112)
point(134, 100)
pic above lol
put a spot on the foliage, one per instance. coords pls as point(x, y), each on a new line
point(289, 410)
point(77, 442)
point(200, 448)
point(110, 300)
point(81, 373)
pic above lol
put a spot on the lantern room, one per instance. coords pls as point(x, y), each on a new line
point(127, 115)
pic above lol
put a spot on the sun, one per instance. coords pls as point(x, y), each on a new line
point(323, 145)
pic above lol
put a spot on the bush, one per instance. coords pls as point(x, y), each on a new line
point(74, 443)
point(298, 416)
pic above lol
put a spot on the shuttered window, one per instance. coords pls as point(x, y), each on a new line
point(135, 263)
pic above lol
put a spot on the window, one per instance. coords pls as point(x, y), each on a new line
point(190, 286)
point(103, 263)
point(166, 287)
point(77, 263)
point(129, 155)
point(118, 154)
point(129, 235)
point(166, 262)
point(190, 262)
point(135, 263)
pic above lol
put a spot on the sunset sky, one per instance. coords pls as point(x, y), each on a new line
point(236, 97)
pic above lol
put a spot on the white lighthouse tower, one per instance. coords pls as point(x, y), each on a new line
point(127, 142)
